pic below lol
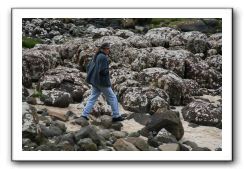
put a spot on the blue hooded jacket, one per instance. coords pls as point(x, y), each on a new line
point(98, 71)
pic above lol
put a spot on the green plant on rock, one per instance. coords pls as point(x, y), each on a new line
point(28, 42)
point(37, 93)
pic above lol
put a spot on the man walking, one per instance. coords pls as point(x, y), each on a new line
point(98, 77)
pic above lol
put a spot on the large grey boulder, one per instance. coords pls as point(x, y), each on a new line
point(192, 88)
point(75, 30)
point(124, 33)
point(174, 60)
point(203, 113)
point(56, 98)
point(89, 131)
point(145, 57)
point(54, 77)
point(123, 78)
point(37, 61)
point(164, 79)
point(42, 28)
point(85, 53)
point(158, 57)
point(215, 42)
point(129, 55)
point(194, 41)
point(138, 41)
point(69, 49)
point(50, 131)
point(99, 32)
point(215, 62)
point(203, 74)
point(29, 123)
point(65, 79)
point(164, 119)
point(144, 99)
point(161, 36)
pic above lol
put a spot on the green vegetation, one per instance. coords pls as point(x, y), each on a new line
point(166, 22)
point(28, 42)
point(37, 93)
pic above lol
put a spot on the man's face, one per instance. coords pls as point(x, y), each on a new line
point(107, 51)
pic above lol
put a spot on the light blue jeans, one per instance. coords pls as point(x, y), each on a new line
point(110, 98)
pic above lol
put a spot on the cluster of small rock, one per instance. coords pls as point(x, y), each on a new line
point(150, 73)
point(45, 131)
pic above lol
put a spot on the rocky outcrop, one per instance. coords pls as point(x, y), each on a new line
point(144, 58)
point(65, 79)
point(70, 48)
point(164, 119)
point(192, 87)
point(161, 36)
point(99, 32)
point(215, 42)
point(175, 60)
point(138, 41)
point(203, 74)
point(37, 61)
point(194, 41)
point(203, 113)
point(215, 62)
point(152, 71)
point(124, 33)
point(56, 98)
point(166, 80)
point(29, 122)
point(51, 131)
point(144, 100)
point(89, 132)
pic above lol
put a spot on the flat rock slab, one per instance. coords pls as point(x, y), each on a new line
point(169, 147)
point(58, 115)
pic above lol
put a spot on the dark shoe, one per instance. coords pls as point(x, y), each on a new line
point(85, 118)
point(118, 119)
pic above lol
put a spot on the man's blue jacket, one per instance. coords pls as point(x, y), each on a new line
point(98, 71)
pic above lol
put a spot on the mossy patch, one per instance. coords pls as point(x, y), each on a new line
point(28, 42)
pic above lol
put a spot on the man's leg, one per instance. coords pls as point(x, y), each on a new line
point(91, 101)
point(112, 100)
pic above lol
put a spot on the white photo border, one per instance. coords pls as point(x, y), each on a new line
point(227, 124)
